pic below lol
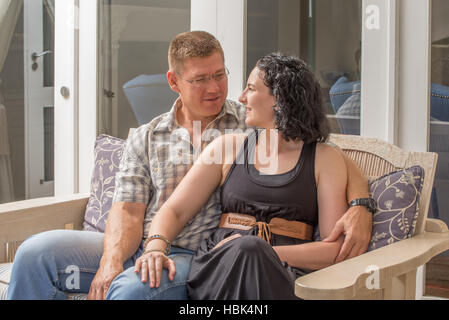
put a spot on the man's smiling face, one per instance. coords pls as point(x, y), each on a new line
point(203, 98)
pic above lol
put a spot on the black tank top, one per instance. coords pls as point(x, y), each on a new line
point(291, 196)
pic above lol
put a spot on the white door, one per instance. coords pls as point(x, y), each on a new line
point(39, 99)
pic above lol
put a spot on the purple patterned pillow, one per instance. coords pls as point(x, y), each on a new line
point(108, 154)
point(397, 195)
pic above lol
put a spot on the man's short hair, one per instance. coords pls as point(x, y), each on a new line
point(192, 44)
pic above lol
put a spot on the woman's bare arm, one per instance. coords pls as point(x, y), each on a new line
point(192, 193)
point(356, 223)
point(331, 177)
point(185, 202)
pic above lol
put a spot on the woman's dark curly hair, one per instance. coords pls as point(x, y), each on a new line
point(300, 113)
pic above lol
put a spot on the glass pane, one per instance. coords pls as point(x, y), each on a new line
point(324, 33)
point(135, 36)
point(438, 269)
point(49, 144)
point(49, 43)
point(26, 126)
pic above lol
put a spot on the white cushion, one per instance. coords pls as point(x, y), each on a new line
point(76, 296)
point(5, 275)
point(3, 291)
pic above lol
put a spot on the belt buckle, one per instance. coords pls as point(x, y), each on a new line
point(238, 221)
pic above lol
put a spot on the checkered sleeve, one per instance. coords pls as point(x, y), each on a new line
point(133, 181)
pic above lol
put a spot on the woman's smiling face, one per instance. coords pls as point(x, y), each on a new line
point(259, 101)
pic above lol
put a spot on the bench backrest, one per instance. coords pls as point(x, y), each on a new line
point(377, 158)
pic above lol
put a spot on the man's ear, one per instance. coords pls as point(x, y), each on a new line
point(172, 81)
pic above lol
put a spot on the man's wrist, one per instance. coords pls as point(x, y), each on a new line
point(111, 259)
point(368, 203)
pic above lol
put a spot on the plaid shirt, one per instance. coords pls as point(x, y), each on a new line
point(156, 158)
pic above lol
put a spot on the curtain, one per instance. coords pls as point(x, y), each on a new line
point(9, 13)
point(6, 185)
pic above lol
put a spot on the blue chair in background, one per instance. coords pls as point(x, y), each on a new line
point(149, 96)
point(344, 89)
point(341, 91)
point(439, 102)
point(345, 101)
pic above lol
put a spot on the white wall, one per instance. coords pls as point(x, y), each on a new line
point(226, 20)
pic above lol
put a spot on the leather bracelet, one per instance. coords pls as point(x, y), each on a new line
point(160, 237)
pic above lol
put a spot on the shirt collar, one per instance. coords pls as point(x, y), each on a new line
point(170, 122)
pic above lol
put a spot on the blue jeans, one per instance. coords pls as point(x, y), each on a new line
point(51, 264)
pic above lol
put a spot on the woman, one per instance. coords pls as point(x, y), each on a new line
point(277, 183)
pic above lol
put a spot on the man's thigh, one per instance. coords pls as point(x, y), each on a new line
point(78, 255)
point(65, 259)
point(128, 285)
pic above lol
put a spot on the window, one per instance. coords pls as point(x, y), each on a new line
point(26, 99)
point(134, 40)
point(437, 270)
point(324, 33)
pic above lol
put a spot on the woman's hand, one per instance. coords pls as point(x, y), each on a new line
point(151, 264)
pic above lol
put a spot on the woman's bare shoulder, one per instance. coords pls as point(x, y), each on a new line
point(328, 156)
point(324, 149)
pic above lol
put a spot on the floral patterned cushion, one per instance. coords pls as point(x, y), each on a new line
point(108, 154)
point(397, 195)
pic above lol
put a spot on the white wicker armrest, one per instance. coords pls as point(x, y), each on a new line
point(348, 279)
point(20, 220)
point(436, 225)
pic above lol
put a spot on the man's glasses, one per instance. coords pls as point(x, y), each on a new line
point(203, 81)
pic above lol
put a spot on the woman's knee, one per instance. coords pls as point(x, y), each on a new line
point(251, 244)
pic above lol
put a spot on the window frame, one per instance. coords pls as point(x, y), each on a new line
point(66, 106)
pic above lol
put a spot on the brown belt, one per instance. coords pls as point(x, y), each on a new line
point(292, 229)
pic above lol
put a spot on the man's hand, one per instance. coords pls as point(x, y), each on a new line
point(356, 225)
point(107, 272)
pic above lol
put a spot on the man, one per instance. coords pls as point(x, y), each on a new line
point(148, 175)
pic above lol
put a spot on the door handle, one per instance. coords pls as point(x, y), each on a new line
point(36, 56)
